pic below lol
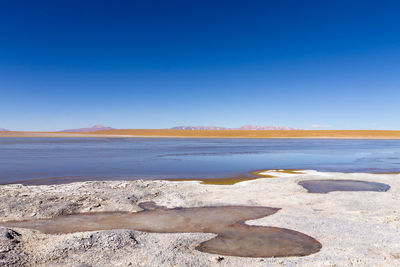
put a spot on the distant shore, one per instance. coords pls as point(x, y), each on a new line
point(173, 133)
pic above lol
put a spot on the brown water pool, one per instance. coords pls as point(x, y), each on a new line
point(234, 237)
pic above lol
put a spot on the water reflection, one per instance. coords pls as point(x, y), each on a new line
point(326, 186)
point(73, 159)
point(234, 237)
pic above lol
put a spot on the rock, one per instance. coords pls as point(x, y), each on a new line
point(111, 240)
point(219, 259)
point(10, 255)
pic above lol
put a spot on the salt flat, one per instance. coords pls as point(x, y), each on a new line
point(354, 228)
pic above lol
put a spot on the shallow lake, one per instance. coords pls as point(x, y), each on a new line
point(60, 160)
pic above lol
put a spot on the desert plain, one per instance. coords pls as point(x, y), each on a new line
point(176, 133)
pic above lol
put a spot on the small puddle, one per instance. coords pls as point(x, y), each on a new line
point(326, 186)
point(234, 237)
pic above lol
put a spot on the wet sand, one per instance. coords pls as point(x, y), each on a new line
point(253, 175)
point(125, 133)
point(355, 228)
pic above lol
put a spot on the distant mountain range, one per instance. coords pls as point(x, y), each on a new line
point(257, 127)
point(198, 128)
point(91, 129)
point(245, 127)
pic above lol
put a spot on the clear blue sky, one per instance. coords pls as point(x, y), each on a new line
point(157, 64)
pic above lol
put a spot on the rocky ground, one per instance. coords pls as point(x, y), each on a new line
point(355, 228)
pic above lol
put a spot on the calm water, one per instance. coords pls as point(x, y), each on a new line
point(59, 160)
point(225, 221)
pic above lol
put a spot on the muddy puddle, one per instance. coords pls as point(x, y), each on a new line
point(326, 186)
point(234, 237)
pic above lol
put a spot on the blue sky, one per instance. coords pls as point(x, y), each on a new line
point(159, 64)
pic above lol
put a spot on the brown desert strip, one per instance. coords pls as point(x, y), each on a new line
point(172, 133)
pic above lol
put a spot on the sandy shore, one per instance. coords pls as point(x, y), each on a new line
point(336, 134)
point(354, 228)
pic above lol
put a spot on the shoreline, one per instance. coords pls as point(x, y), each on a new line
point(230, 180)
point(233, 134)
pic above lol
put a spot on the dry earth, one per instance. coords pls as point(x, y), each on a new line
point(174, 133)
point(355, 228)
